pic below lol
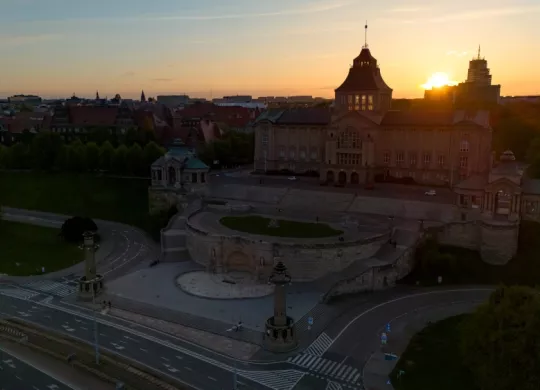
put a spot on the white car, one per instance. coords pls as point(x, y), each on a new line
point(430, 193)
point(292, 178)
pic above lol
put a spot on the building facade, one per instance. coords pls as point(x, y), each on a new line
point(361, 139)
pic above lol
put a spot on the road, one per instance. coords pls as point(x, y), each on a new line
point(18, 375)
point(124, 249)
point(336, 357)
point(384, 190)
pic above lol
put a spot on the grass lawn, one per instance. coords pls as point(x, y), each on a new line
point(523, 269)
point(433, 360)
point(122, 200)
point(259, 225)
point(33, 247)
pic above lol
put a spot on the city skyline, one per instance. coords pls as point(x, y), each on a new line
point(280, 49)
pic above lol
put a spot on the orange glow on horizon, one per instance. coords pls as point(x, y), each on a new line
point(438, 80)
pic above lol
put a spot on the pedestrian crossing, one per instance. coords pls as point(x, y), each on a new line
point(18, 293)
point(320, 345)
point(333, 386)
point(327, 367)
point(51, 287)
point(277, 380)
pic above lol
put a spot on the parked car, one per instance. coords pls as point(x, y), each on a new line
point(293, 178)
point(430, 193)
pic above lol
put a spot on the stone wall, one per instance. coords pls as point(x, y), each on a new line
point(304, 262)
point(496, 242)
point(499, 243)
point(375, 278)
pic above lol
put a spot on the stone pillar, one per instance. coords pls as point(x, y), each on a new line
point(89, 255)
point(280, 306)
point(279, 333)
point(91, 284)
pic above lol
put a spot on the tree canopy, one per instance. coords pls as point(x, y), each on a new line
point(501, 340)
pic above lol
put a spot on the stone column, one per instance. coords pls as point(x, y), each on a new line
point(89, 255)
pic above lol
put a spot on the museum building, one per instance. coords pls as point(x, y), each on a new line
point(361, 138)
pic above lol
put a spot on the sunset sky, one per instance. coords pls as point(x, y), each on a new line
point(55, 48)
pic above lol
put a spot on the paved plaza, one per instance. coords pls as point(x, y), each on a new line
point(232, 285)
point(158, 286)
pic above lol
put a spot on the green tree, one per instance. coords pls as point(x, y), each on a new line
point(134, 160)
point(106, 153)
point(20, 156)
point(533, 151)
point(76, 156)
point(501, 342)
point(44, 149)
point(151, 153)
point(92, 156)
point(5, 157)
point(62, 159)
point(119, 160)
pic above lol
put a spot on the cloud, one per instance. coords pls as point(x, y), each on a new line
point(162, 80)
point(321, 6)
point(469, 15)
point(457, 53)
point(127, 74)
point(408, 10)
point(16, 40)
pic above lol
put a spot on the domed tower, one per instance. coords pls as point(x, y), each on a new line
point(364, 88)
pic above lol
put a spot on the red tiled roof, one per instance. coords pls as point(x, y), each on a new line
point(418, 118)
point(92, 115)
point(232, 116)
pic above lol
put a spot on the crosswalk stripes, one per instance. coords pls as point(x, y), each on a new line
point(51, 287)
point(333, 386)
point(320, 345)
point(277, 380)
point(326, 367)
point(18, 293)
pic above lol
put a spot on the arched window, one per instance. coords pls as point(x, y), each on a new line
point(464, 146)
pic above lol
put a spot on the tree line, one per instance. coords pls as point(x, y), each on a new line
point(232, 149)
point(48, 151)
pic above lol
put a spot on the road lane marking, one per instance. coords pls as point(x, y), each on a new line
point(167, 360)
point(351, 322)
point(212, 379)
point(187, 368)
point(144, 350)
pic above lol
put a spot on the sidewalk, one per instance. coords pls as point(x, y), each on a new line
point(62, 372)
point(377, 369)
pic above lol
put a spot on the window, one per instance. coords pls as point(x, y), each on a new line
point(292, 153)
point(194, 178)
point(303, 154)
point(282, 153)
point(386, 158)
point(412, 159)
point(159, 175)
point(427, 158)
point(364, 97)
point(349, 139)
point(464, 146)
point(264, 137)
point(349, 158)
point(440, 161)
point(370, 102)
point(463, 162)
point(313, 154)
point(398, 174)
point(399, 157)
point(357, 102)
point(203, 177)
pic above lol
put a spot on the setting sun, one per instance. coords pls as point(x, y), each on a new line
point(437, 80)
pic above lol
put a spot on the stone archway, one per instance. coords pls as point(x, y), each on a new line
point(342, 177)
point(239, 261)
point(330, 176)
point(355, 178)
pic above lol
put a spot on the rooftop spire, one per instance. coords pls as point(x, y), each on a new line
point(365, 35)
point(478, 51)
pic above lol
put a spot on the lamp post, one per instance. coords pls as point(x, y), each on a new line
point(96, 334)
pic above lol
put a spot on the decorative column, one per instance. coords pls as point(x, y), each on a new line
point(91, 284)
point(279, 333)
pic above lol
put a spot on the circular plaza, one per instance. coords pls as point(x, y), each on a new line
point(251, 242)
